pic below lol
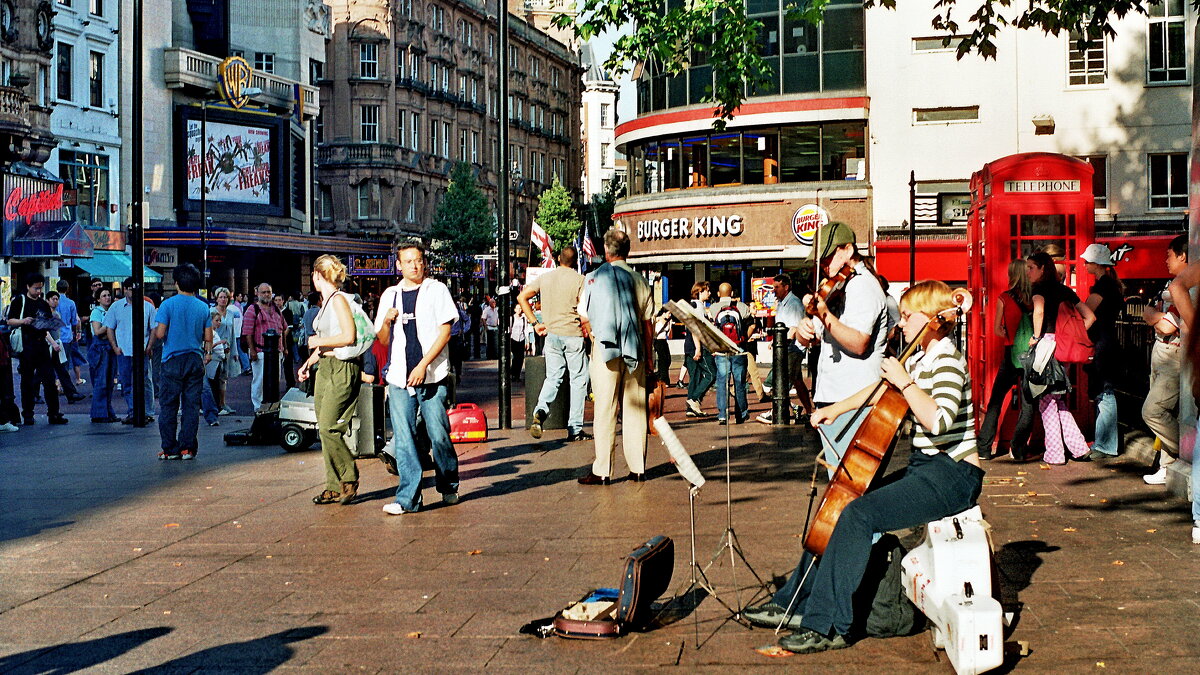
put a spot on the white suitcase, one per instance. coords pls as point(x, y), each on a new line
point(949, 578)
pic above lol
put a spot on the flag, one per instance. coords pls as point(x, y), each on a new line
point(589, 246)
point(539, 238)
point(580, 261)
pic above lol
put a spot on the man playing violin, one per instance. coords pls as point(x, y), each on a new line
point(942, 478)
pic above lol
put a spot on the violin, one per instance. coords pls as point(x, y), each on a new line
point(829, 287)
point(869, 452)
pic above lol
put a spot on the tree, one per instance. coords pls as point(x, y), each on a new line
point(463, 225)
point(600, 209)
point(720, 32)
point(556, 215)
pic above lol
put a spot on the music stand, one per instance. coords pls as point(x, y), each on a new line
point(718, 343)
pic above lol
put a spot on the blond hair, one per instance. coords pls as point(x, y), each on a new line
point(331, 267)
point(928, 297)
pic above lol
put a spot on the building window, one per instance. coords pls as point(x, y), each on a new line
point(414, 128)
point(96, 79)
point(65, 54)
point(319, 127)
point(605, 155)
point(368, 123)
point(1166, 59)
point(96, 7)
point(535, 67)
point(437, 16)
point(1099, 179)
point(86, 183)
point(462, 145)
point(401, 118)
point(1086, 64)
point(605, 115)
point(474, 90)
point(446, 140)
point(326, 203)
point(405, 7)
point(368, 60)
point(65, 3)
point(491, 46)
point(925, 45)
point(264, 61)
point(1168, 181)
point(474, 147)
point(555, 77)
point(316, 72)
point(445, 79)
point(368, 200)
point(943, 115)
point(433, 136)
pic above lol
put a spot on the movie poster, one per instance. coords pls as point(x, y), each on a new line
point(238, 161)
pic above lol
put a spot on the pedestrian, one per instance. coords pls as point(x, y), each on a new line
point(459, 338)
point(183, 326)
point(519, 342)
point(616, 311)
point(942, 478)
point(491, 327)
point(32, 318)
point(119, 322)
point(702, 372)
point(214, 369)
point(476, 330)
point(1106, 299)
point(102, 362)
point(1062, 431)
point(228, 331)
point(288, 357)
point(60, 356)
point(662, 347)
point(1182, 292)
point(1159, 410)
point(259, 319)
point(789, 311)
point(734, 321)
point(850, 330)
point(307, 330)
point(335, 351)
point(70, 314)
point(416, 316)
point(10, 414)
point(1013, 324)
point(559, 290)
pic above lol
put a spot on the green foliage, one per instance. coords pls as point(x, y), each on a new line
point(720, 32)
point(556, 215)
point(463, 225)
point(600, 209)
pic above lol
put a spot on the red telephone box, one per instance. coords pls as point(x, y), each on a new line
point(1021, 204)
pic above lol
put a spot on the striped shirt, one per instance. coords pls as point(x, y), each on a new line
point(942, 373)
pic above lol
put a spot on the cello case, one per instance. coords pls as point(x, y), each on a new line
point(949, 578)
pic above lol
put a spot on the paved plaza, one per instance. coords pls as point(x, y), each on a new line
point(111, 561)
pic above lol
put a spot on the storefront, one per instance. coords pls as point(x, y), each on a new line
point(36, 233)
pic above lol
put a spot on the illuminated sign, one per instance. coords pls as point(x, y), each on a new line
point(22, 205)
point(684, 228)
point(233, 77)
point(236, 162)
point(371, 265)
point(1041, 186)
point(806, 221)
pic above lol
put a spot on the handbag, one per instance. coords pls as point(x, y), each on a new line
point(16, 340)
point(1021, 339)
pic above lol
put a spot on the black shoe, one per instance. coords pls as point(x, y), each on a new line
point(128, 419)
point(811, 642)
point(593, 479)
point(742, 419)
point(29, 421)
point(581, 436)
point(76, 398)
point(535, 427)
point(1096, 455)
point(58, 419)
point(637, 477)
point(389, 463)
point(769, 614)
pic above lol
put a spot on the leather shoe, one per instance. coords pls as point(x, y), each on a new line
point(769, 614)
point(637, 477)
point(58, 419)
point(581, 436)
point(593, 479)
point(535, 426)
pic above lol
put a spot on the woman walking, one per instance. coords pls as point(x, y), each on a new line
point(1105, 299)
point(701, 368)
point(1062, 432)
point(339, 376)
point(102, 363)
point(229, 366)
point(1014, 310)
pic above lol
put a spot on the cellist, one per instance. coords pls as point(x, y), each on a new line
point(942, 478)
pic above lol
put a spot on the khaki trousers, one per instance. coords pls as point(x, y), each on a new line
point(613, 387)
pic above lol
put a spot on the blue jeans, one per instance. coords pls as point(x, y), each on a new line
point(102, 366)
point(565, 355)
point(845, 426)
point(182, 384)
point(125, 375)
point(1196, 485)
point(208, 404)
point(737, 364)
point(1107, 438)
point(430, 401)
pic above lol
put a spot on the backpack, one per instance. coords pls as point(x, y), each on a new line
point(364, 332)
point(1071, 342)
point(16, 339)
point(729, 322)
point(881, 607)
point(1021, 339)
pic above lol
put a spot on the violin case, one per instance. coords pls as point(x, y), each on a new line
point(611, 612)
point(949, 578)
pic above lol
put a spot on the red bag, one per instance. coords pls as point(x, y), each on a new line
point(1071, 341)
point(468, 424)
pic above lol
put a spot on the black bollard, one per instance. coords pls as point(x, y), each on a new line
point(270, 357)
point(781, 408)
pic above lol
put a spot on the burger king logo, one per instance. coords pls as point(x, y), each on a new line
point(806, 221)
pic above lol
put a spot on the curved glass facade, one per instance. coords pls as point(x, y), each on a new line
point(829, 151)
point(802, 58)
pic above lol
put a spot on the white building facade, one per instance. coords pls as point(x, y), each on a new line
point(599, 121)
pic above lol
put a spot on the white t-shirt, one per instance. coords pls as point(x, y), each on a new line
point(841, 374)
point(435, 308)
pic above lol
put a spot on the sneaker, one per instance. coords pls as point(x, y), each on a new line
point(164, 455)
point(214, 423)
point(1096, 455)
point(535, 427)
point(450, 498)
point(722, 421)
point(693, 409)
point(58, 419)
point(769, 614)
point(8, 428)
point(81, 381)
point(1196, 533)
point(579, 436)
point(766, 418)
point(811, 642)
point(225, 411)
point(187, 454)
point(1157, 478)
point(394, 509)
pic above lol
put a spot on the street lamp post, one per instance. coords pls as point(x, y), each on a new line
point(502, 290)
point(204, 196)
point(136, 233)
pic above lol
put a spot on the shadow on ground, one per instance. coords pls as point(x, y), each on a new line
point(76, 656)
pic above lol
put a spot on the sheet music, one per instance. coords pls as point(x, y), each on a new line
point(710, 337)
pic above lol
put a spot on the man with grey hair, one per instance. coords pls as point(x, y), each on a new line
point(261, 318)
point(616, 310)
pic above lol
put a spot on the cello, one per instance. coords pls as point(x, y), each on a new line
point(873, 442)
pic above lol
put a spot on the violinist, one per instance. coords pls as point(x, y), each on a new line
point(942, 478)
point(851, 325)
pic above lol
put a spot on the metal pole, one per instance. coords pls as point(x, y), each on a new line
point(781, 403)
point(136, 233)
point(204, 196)
point(505, 420)
point(912, 228)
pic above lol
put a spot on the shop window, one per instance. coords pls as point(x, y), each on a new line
point(637, 169)
point(800, 154)
point(1166, 36)
point(695, 161)
point(672, 165)
point(842, 152)
point(1086, 65)
point(653, 178)
point(86, 186)
point(760, 151)
point(725, 158)
point(1168, 181)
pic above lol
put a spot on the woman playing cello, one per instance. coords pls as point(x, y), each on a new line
point(942, 478)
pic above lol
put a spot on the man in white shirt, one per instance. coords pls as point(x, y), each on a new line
point(119, 321)
point(416, 316)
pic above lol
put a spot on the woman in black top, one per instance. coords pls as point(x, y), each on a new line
point(1062, 432)
point(1105, 300)
point(1013, 309)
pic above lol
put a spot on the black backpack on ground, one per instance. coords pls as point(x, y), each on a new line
point(881, 607)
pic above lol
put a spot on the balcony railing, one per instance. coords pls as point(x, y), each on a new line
point(14, 106)
point(184, 67)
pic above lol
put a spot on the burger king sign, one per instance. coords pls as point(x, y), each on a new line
point(806, 221)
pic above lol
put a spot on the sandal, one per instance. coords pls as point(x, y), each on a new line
point(349, 492)
point(326, 497)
